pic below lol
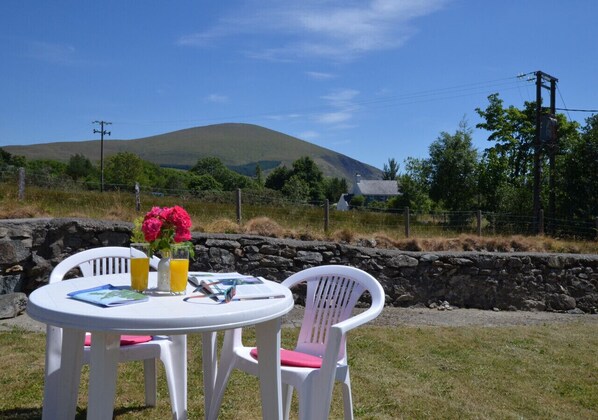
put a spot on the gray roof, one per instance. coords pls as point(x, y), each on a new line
point(376, 187)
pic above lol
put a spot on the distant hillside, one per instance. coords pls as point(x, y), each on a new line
point(240, 147)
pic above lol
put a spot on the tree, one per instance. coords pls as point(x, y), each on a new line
point(581, 173)
point(259, 176)
point(277, 178)
point(124, 169)
point(79, 167)
point(513, 132)
point(172, 179)
point(306, 169)
point(204, 182)
point(413, 187)
point(391, 170)
point(334, 187)
point(8, 159)
point(296, 189)
point(213, 166)
point(453, 163)
point(507, 166)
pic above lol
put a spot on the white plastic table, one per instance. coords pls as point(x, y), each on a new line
point(166, 315)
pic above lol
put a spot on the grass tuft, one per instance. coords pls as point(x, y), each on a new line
point(264, 226)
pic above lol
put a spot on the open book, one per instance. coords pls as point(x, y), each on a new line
point(247, 287)
point(109, 295)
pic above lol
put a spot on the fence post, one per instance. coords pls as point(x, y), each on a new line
point(541, 223)
point(479, 217)
point(407, 226)
point(21, 183)
point(326, 215)
point(239, 206)
point(137, 197)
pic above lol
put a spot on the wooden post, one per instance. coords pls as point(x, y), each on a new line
point(479, 217)
point(326, 215)
point(137, 197)
point(239, 206)
point(407, 227)
point(21, 183)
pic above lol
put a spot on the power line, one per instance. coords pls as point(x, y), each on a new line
point(442, 93)
point(563, 100)
point(577, 110)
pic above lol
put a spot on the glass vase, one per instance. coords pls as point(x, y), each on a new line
point(164, 271)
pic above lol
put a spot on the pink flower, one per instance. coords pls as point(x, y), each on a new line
point(178, 217)
point(163, 226)
point(154, 212)
point(151, 229)
point(182, 235)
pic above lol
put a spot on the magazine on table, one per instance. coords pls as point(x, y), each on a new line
point(247, 287)
point(108, 295)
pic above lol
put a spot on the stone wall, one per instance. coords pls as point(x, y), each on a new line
point(30, 248)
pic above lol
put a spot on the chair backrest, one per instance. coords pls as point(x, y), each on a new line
point(97, 261)
point(332, 293)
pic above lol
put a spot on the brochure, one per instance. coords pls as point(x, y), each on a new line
point(109, 295)
point(246, 287)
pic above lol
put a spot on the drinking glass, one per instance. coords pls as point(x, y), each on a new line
point(179, 269)
point(139, 266)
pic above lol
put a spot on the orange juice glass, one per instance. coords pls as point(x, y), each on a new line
point(139, 266)
point(179, 269)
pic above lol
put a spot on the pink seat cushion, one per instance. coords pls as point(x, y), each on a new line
point(125, 340)
point(295, 358)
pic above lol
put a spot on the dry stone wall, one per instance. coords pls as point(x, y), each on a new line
point(30, 248)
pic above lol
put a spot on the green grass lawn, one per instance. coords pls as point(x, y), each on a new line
point(534, 372)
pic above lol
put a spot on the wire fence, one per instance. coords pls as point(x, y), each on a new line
point(241, 206)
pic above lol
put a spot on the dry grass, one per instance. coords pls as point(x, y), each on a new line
point(296, 223)
point(220, 226)
point(13, 211)
point(264, 226)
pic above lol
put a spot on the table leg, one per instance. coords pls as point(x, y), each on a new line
point(105, 349)
point(179, 377)
point(210, 366)
point(64, 355)
point(268, 344)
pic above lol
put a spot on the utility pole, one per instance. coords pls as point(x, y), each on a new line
point(540, 77)
point(102, 133)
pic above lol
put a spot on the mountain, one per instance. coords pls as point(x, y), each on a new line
point(239, 146)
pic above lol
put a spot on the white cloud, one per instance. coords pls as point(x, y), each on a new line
point(308, 135)
point(317, 75)
point(285, 117)
point(341, 98)
point(343, 105)
point(51, 53)
point(216, 98)
point(334, 29)
point(334, 117)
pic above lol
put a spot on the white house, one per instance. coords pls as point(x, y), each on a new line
point(372, 190)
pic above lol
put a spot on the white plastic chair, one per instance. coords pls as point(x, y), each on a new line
point(113, 260)
point(332, 292)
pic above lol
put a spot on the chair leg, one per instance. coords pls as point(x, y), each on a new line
point(305, 403)
point(150, 380)
point(347, 398)
point(287, 397)
point(225, 369)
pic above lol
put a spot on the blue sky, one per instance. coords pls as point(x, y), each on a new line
point(372, 79)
